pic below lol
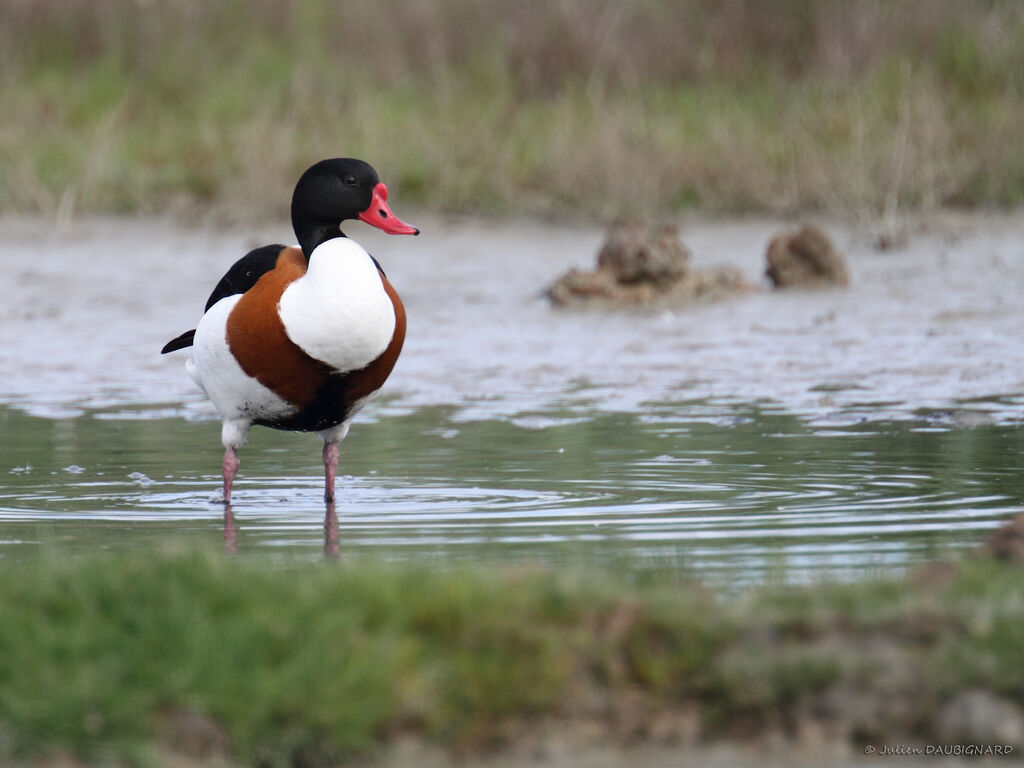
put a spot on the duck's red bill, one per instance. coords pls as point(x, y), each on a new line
point(380, 216)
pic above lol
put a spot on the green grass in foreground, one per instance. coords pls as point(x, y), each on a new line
point(98, 654)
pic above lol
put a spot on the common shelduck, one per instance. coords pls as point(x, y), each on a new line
point(300, 337)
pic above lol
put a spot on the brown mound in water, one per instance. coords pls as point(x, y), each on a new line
point(641, 265)
point(805, 259)
point(1007, 542)
point(638, 252)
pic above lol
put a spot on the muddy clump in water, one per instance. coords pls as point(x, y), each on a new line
point(805, 259)
point(1007, 542)
point(642, 265)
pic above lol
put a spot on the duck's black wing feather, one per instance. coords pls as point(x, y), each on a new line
point(245, 272)
point(240, 278)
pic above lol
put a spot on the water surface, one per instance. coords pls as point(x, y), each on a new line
point(758, 494)
point(829, 433)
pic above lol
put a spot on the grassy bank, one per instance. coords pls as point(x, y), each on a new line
point(113, 657)
point(599, 108)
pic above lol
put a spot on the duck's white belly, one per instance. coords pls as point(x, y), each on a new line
point(339, 312)
point(234, 393)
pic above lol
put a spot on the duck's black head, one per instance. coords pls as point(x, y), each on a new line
point(335, 190)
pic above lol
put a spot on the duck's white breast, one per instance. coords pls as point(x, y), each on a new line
point(339, 312)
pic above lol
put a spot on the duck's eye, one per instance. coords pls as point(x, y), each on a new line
point(350, 181)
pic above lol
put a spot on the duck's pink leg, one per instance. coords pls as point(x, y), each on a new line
point(330, 469)
point(231, 463)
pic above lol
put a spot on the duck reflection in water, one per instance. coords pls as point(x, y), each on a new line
point(230, 531)
point(331, 539)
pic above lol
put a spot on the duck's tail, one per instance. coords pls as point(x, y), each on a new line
point(185, 340)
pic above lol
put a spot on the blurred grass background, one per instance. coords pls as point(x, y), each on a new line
point(593, 108)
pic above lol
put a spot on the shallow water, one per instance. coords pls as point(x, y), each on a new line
point(756, 495)
point(805, 434)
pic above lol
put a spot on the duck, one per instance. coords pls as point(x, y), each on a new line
point(301, 337)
